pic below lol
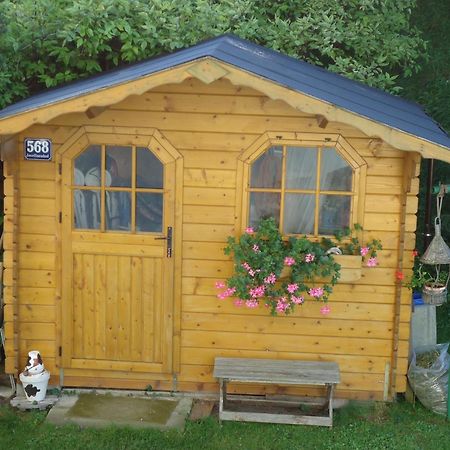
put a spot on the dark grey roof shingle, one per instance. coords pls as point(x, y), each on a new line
point(332, 88)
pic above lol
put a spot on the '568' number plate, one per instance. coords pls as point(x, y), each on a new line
point(40, 149)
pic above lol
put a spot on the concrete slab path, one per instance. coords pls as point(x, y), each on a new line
point(98, 410)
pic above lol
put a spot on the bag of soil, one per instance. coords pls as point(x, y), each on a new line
point(428, 376)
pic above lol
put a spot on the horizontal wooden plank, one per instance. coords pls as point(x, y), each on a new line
point(207, 103)
point(36, 295)
point(310, 309)
point(36, 313)
point(270, 342)
point(385, 167)
point(47, 349)
point(298, 326)
point(38, 331)
point(37, 260)
point(37, 206)
point(201, 250)
point(199, 159)
point(208, 196)
point(207, 233)
point(363, 146)
point(209, 178)
point(36, 278)
point(202, 214)
point(219, 87)
point(212, 122)
point(42, 243)
point(226, 142)
point(36, 188)
point(388, 222)
point(347, 363)
point(37, 224)
point(37, 170)
point(100, 248)
point(202, 268)
point(57, 134)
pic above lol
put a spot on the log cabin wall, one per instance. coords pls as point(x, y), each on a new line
point(210, 125)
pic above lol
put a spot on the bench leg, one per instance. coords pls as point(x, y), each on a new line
point(222, 397)
point(330, 401)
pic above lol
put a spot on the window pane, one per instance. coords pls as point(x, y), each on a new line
point(266, 170)
point(118, 166)
point(86, 206)
point(86, 171)
point(149, 212)
point(149, 170)
point(335, 172)
point(334, 213)
point(301, 168)
point(118, 211)
point(263, 205)
point(299, 214)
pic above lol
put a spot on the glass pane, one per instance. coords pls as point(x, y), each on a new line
point(266, 170)
point(118, 210)
point(86, 207)
point(301, 168)
point(299, 212)
point(149, 170)
point(86, 171)
point(335, 173)
point(334, 213)
point(118, 166)
point(149, 212)
point(263, 205)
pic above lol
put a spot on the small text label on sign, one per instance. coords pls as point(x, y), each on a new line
point(38, 149)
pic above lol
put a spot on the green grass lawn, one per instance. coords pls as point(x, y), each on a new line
point(358, 426)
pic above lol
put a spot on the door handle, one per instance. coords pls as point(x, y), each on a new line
point(167, 238)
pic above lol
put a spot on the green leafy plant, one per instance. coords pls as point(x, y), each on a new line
point(348, 242)
point(281, 274)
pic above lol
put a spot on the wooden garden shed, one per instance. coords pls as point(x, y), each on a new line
point(121, 189)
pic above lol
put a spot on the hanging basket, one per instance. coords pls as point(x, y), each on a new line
point(434, 294)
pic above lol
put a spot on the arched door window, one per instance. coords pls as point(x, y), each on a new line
point(118, 188)
point(309, 190)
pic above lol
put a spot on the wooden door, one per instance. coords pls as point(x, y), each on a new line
point(117, 270)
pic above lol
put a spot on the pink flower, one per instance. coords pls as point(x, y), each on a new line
point(249, 230)
point(325, 310)
point(372, 262)
point(297, 300)
point(246, 266)
point(226, 293)
point(316, 292)
point(282, 305)
point(291, 288)
point(258, 291)
point(256, 248)
point(251, 303)
point(221, 296)
point(270, 279)
point(251, 273)
point(309, 257)
point(289, 261)
point(364, 251)
point(238, 303)
point(220, 284)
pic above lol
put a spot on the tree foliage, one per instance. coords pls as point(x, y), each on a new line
point(44, 43)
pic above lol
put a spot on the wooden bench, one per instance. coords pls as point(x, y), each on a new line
point(267, 371)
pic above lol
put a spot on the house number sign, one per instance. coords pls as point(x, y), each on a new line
point(38, 149)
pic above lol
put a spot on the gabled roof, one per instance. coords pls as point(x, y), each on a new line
point(333, 89)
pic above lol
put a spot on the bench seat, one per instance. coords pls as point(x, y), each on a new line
point(280, 372)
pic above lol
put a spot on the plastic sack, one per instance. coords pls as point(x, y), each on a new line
point(431, 385)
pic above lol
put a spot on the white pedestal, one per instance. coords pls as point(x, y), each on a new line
point(423, 326)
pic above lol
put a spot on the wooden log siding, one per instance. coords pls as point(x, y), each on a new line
point(210, 125)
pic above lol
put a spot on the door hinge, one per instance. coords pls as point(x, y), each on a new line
point(60, 217)
point(60, 168)
point(60, 351)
